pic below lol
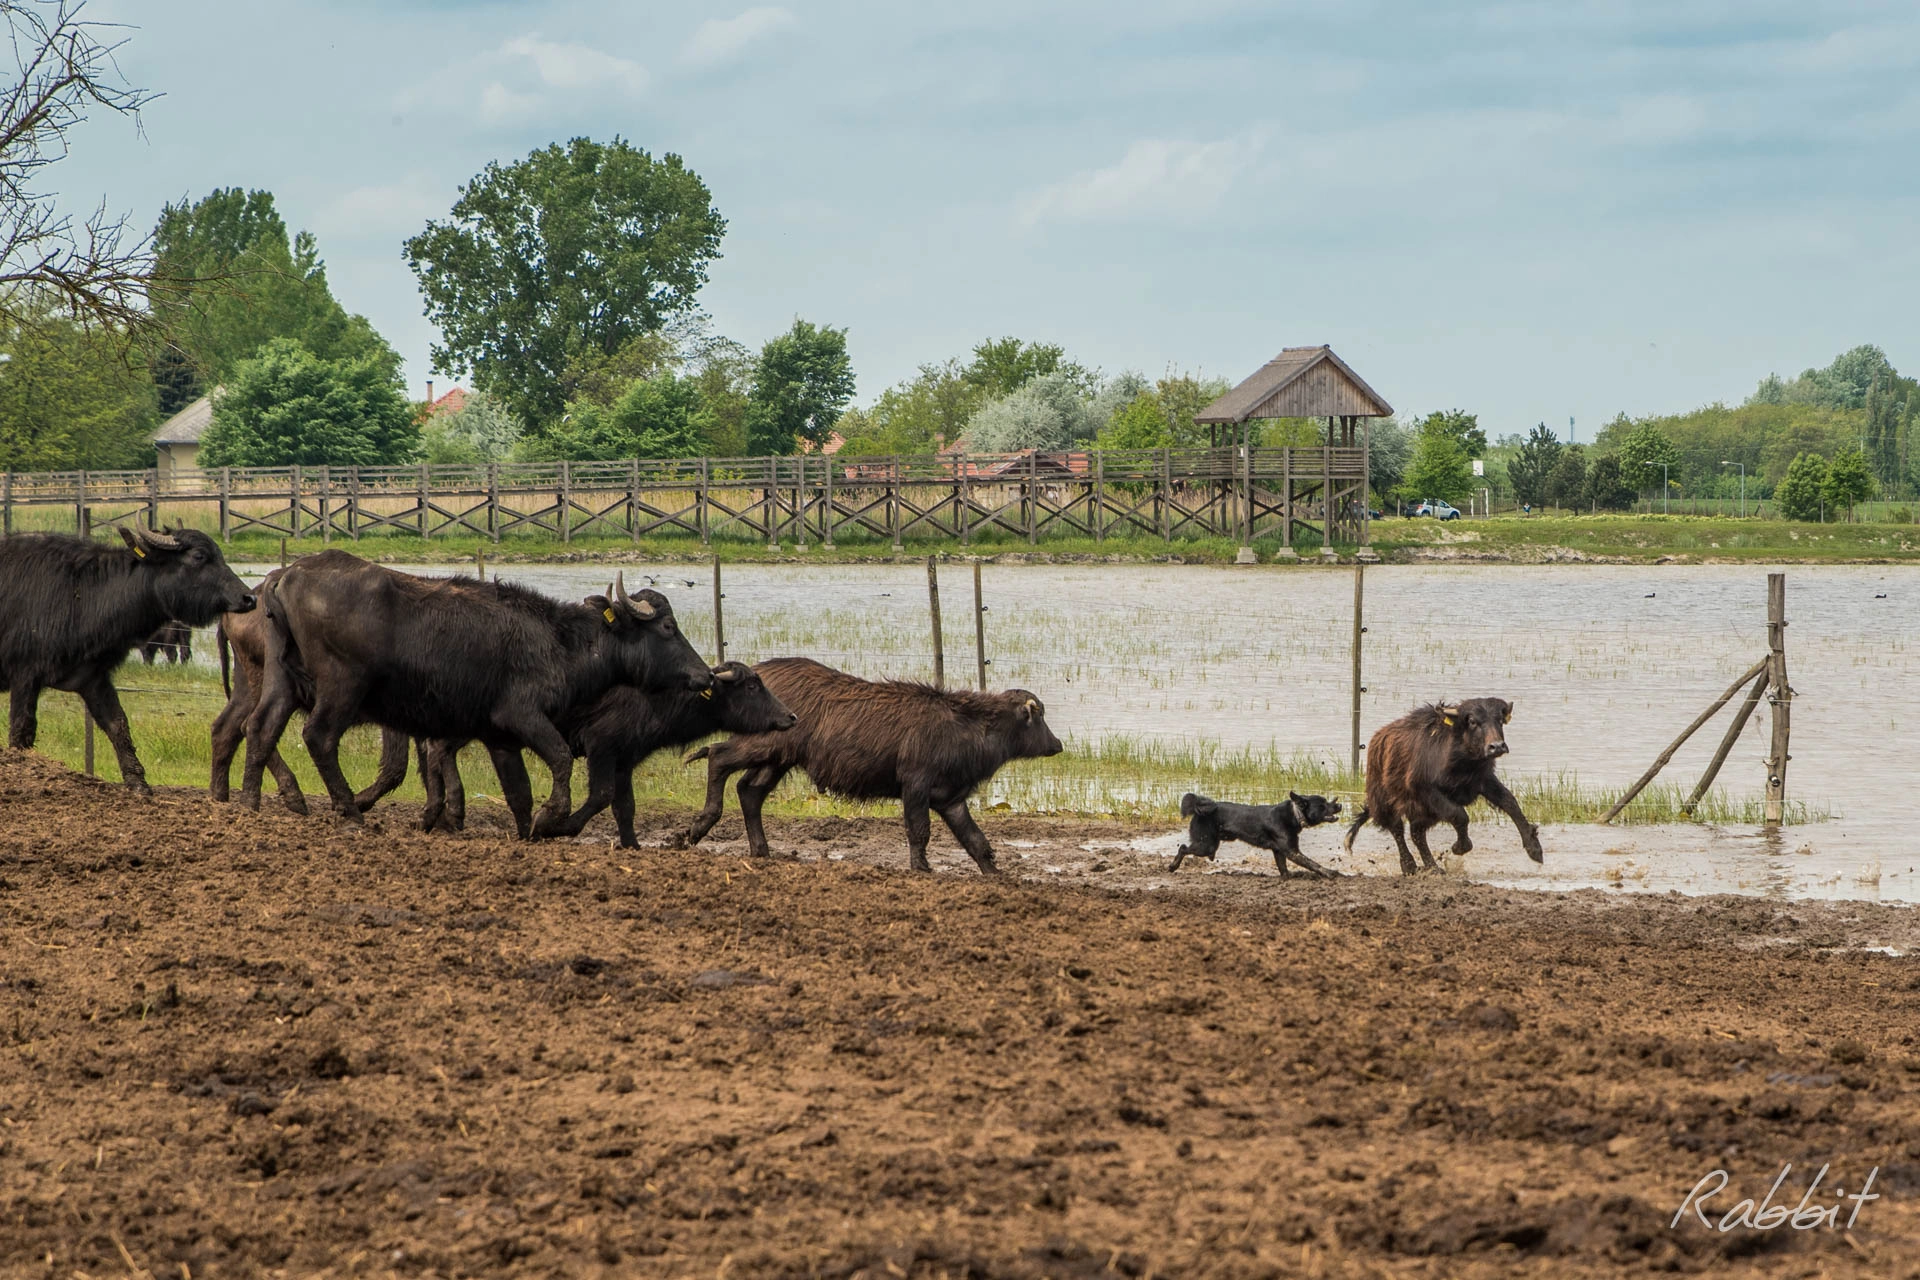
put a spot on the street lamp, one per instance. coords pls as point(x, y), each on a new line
point(1743, 483)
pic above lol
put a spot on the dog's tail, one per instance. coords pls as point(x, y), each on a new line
point(697, 754)
point(1192, 803)
point(1359, 821)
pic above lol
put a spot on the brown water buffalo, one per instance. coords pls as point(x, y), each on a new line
point(1426, 768)
point(878, 739)
point(72, 609)
point(173, 641)
point(242, 641)
point(451, 659)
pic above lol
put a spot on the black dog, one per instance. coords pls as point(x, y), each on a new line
point(1273, 827)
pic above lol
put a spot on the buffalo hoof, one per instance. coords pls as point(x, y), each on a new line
point(1462, 847)
point(139, 787)
point(294, 802)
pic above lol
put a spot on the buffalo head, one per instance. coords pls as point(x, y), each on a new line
point(187, 574)
point(745, 703)
point(648, 649)
point(1030, 734)
point(1479, 726)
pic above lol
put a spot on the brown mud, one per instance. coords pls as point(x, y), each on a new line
point(239, 1045)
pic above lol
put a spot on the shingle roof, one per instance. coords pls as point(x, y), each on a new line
point(188, 425)
point(1300, 382)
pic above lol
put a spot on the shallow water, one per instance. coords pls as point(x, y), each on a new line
point(1604, 665)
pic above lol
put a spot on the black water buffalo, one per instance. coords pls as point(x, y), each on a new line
point(445, 659)
point(173, 641)
point(71, 609)
point(1426, 768)
point(886, 739)
point(616, 735)
point(242, 642)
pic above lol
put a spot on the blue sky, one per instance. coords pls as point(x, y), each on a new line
point(1528, 210)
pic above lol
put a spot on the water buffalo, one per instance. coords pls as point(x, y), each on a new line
point(870, 740)
point(71, 609)
point(441, 659)
point(1426, 768)
point(616, 735)
point(173, 641)
point(242, 642)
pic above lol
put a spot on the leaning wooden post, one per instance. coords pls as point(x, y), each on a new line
point(979, 629)
point(1782, 700)
point(1686, 733)
point(1359, 629)
point(933, 602)
point(719, 625)
point(1726, 744)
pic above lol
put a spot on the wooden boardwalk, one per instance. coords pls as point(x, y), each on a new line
point(1164, 493)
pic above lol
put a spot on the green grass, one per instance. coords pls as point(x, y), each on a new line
point(171, 709)
point(1646, 538)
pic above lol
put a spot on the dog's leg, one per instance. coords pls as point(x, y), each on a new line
point(1204, 843)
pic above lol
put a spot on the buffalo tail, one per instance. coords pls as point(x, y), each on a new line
point(1359, 821)
point(226, 669)
point(698, 754)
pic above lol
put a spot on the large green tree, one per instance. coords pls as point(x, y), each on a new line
point(288, 407)
point(1848, 480)
point(1566, 484)
point(68, 397)
point(1644, 454)
point(1801, 494)
point(655, 418)
point(1531, 466)
point(1607, 488)
point(801, 384)
point(1462, 426)
point(577, 250)
point(1440, 466)
point(229, 279)
point(1002, 366)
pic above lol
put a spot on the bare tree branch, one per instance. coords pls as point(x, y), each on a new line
point(97, 270)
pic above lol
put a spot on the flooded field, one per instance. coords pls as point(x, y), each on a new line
point(1604, 665)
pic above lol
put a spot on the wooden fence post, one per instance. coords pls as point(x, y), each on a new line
point(826, 464)
point(1166, 493)
point(1098, 510)
point(700, 503)
point(226, 499)
point(326, 506)
point(1758, 669)
point(293, 502)
point(933, 602)
point(6, 504)
point(426, 529)
point(1033, 497)
point(153, 498)
point(353, 504)
point(1359, 629)
point(633, 499)
point(979, 629)
point(1726, 744)
point(81, 524)
point(893, 500)
point(493, 500)
point(719, 623)
point(1781, 700)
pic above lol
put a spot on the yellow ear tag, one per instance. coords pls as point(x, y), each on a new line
point(1447, 721)
point(140, 552)
point(706, 694)
point(609, 613)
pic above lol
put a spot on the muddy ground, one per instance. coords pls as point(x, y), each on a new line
point(235, 1045)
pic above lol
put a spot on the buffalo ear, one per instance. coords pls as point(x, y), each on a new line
point(602, 606)
point(1506, 716)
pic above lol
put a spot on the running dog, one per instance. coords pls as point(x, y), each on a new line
point(1275, 828)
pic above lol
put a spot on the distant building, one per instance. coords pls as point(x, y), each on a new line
point(176, 444)
point(453, 402)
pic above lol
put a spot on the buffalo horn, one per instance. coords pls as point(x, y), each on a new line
point(728, 674)
point(155, 538)
point(642, 607)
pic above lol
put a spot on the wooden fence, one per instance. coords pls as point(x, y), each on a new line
point(1164, 493)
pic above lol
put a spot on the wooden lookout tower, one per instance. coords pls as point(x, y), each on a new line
point(1321, 488)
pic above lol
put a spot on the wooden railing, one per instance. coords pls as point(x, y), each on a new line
point(1166, 493)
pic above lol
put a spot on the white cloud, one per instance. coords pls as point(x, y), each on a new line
point(384, 210)
point(1155, 178)
point(719, 40)
point(575, 66)
point(499, 104)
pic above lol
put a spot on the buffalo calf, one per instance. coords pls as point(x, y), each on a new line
point(1426, 768)
point(878, 739)
point(1273, 827)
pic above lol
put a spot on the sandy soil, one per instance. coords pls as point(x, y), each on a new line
point(234, 1045)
